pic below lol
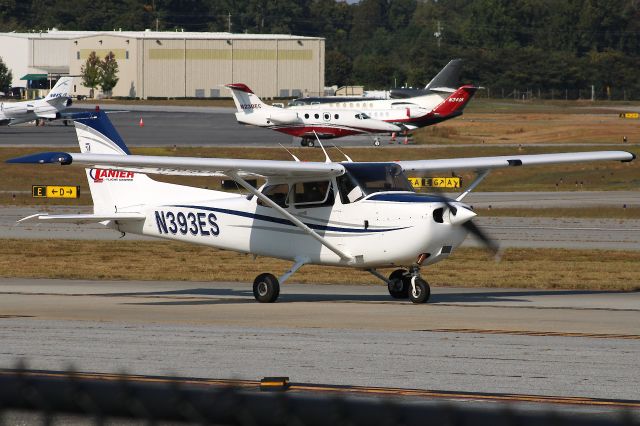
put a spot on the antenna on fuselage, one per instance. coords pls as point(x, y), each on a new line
point(349, 160)
point(326, 156)
point(290, 153)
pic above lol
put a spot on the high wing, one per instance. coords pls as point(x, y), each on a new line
point(487, 163)
point(190, 166)
point(194, 166)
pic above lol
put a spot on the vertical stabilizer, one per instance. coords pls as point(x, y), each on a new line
point(246, 101)
point(455, 103)
point(62, 90)
point(113, 191)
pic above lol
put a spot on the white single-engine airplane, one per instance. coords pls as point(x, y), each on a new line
point(351, 214)
point(50, 107)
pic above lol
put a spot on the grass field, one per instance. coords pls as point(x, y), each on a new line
point(130, 260)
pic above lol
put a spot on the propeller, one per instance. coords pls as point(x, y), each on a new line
point(465, 221)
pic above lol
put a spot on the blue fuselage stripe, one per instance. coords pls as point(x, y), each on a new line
point(283, 221)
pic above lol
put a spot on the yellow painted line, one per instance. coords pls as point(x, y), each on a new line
point(357, 390)
point(534, 333)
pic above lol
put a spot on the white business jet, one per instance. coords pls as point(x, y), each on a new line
point(305, 123)
point(350, 214)
point(338, 119)
point(50, 107)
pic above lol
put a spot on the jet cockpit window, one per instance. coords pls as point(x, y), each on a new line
point(363, 179)
point(313, 194)
point(276, 193)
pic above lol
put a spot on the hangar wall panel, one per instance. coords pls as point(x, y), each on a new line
point(209, 65)
point(15, 53)
point(164, 70)
point(124, 50)
point(255, 64)
point(50, 54)
point(298, 68)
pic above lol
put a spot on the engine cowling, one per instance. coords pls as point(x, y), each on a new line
point(283, 117)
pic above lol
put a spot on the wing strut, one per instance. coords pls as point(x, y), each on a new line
point(483, 174)
point(292, 218)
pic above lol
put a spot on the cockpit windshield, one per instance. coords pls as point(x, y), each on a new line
point(363, 179)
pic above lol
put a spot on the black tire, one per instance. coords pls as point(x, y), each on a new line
point(376, 142)
point(399, 286)
point(311, 143)
point(266, 288)
point(304, 142)
point(423, 291)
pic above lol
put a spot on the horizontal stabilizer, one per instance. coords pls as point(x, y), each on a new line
point(443, 89)
point(82, 218)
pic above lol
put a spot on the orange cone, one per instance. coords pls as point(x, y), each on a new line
point(141, 124)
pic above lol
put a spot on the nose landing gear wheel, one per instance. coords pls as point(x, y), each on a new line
point(419, 290)
point(399, 284)
point(266, 288)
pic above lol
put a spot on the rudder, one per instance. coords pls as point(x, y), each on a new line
point(112, 190)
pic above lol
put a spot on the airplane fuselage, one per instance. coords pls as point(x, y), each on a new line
point(326, 124)
point(394, 230)
point(21, 112)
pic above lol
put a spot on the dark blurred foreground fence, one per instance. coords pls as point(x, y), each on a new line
point(106, 401)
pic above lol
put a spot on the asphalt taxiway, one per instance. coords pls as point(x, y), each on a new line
point(562, 343)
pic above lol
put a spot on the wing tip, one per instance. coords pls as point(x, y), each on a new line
point(63, 158)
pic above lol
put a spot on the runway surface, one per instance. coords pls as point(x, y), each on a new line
point(193, 126)
point(614, 234)
point(561, 343)
point(207, 127)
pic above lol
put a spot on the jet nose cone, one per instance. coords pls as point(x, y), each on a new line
point(461, 215)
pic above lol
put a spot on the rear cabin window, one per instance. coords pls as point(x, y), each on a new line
point(276, 193)
point(313, 194)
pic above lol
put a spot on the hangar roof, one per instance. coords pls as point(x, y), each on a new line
point(69, 35)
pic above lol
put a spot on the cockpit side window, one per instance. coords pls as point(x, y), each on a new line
point(276, 193)
point(369, 178)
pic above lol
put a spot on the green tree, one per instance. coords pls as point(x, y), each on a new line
point(108, 73)
point(338, 68)
point(91, 72)
point(5, 77)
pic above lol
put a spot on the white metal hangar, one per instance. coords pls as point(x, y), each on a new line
point(176, 64)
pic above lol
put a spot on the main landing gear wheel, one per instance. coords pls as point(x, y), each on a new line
point(266, 288)
point(399, 283)
point(376, 142)
point(419, 290)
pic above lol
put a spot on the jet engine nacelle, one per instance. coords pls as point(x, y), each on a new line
point(283, 117)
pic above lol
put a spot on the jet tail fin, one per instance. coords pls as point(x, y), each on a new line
point(62, 90)
point(455, 103)
point(246, 101)
point(447, 78)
